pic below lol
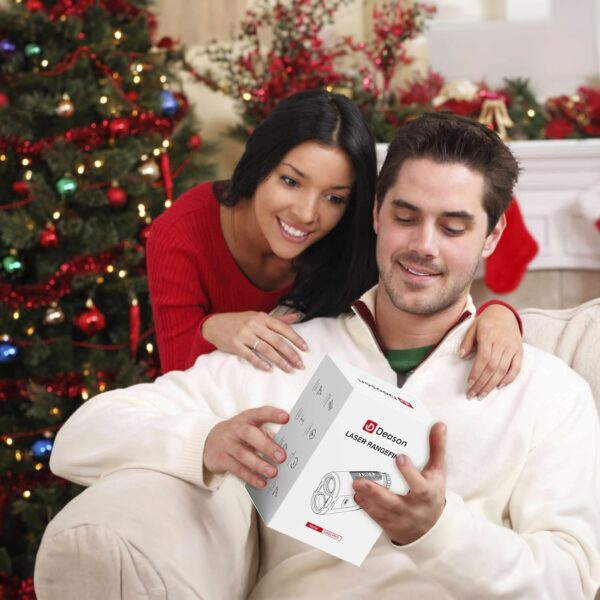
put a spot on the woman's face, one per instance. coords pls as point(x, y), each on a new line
point(303, 198)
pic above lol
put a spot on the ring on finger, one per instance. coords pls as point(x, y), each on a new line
point(256, 343)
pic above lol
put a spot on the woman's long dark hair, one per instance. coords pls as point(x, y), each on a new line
point(337, 269)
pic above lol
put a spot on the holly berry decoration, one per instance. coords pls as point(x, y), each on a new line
point(9, 353)
point(116, 196)
point(195, 142)
point(90, 321)
point(49, 237)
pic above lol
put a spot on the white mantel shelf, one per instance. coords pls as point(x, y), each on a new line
point(554, 174)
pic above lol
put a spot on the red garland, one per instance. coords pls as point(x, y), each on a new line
point(114, 7)
point(58, 285)
point(93, 346)
point(92, 136)
point(62, 385)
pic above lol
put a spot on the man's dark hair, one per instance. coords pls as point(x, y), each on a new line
point(448, 138)
point(333, 272)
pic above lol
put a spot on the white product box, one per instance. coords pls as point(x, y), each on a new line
point(346, 424)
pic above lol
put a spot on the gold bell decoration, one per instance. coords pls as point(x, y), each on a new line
point(54, 315)
point(65, 108)
point(149, 169)
point(494, 112)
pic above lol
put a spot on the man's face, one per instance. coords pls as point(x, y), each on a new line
point(431, 235)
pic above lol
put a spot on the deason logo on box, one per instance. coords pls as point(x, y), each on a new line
point(370, 426)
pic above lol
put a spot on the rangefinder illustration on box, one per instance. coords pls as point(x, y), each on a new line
point(346, 425)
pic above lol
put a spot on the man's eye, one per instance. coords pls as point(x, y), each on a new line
point(452, 231)
point(289, 181)
point(404, 220)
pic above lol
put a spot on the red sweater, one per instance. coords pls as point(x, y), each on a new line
point(192, 274)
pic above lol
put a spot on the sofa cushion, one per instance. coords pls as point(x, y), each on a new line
point(572, 334)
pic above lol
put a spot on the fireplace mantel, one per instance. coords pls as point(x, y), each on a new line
point(554, 174)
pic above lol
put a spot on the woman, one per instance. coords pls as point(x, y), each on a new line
point(292, 227)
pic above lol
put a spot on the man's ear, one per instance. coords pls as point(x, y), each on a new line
point(376, 216)
point(491, 241)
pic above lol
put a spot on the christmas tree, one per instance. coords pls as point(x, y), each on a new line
point(96, 140)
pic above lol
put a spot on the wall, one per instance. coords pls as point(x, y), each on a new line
point(558, 55)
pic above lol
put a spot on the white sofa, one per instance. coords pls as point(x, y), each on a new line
point(193, 530)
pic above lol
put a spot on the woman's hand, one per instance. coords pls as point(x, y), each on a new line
point(234, 446)
point(497, 362)
point(261, 339)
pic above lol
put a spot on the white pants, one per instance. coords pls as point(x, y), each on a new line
point(142, 534)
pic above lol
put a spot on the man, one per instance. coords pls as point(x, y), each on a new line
point(507, 506)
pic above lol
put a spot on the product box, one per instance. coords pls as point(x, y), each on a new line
point(346, 424)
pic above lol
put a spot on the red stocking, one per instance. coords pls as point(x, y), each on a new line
point(505, 268)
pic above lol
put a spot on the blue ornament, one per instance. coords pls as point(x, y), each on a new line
point(42, 449)
point(7, 47)
point(8, 353)
point(168, 103)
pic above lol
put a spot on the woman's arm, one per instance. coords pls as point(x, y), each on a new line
point(180, 302)
point(186, 325)
point(496, 337)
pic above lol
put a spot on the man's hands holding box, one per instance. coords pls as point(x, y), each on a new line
point(405, 519)
point(232, 446)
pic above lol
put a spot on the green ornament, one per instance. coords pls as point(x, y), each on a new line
point(32, 50)
point(13, 266)
point(66, 186)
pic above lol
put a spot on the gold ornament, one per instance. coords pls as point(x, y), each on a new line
point(65, 107)
point(494, 112)
point(54, 315)
point(149, 170)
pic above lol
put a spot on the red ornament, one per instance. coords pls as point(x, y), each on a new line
point(119, 127)
point(195, 142)
point(21, 188)
point(132, 96)
point(90, 321)
point(144, 233)
point(4, 100)
point(49, 237)
point(34, 5)
point(166, 43)
point(116, 196)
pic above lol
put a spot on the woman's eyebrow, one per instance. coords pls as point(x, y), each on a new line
point(301, 174)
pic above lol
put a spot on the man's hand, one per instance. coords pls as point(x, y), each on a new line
point(406, 518)
point(234, 445)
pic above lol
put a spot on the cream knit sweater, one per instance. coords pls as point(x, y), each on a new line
point(522, 518)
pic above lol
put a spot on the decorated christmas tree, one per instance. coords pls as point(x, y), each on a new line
point(96, 140)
